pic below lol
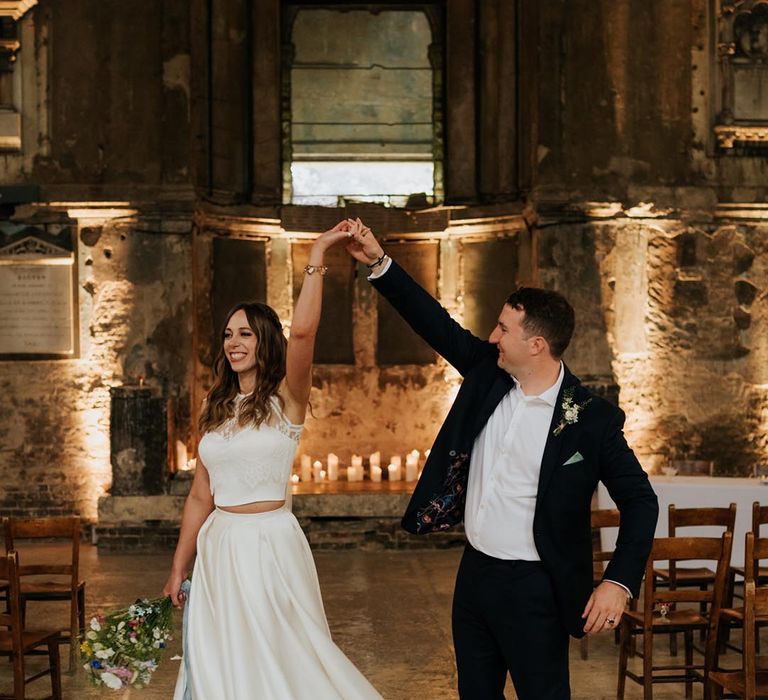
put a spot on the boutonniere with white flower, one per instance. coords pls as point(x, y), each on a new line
point(570, 411)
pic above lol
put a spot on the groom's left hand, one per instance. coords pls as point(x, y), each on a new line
point(606, 604)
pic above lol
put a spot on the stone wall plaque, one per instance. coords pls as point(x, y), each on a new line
point(37, 300)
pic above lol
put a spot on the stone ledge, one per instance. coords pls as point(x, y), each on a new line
point(350, 505)
point(330, 521)
point(167, 508)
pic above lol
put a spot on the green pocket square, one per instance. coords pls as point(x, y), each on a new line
point(574, 458)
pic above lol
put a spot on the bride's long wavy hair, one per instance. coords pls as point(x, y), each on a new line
point(270, 370)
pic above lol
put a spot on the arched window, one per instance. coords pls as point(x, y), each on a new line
point(359, 107)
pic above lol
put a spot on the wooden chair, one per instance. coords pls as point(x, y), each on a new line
point(660, 615)
point(701, 577)
point(16, 643)
point(759, 518)
point(750, 681)
point(755, 549)
point(61, 581)
point(607, 517)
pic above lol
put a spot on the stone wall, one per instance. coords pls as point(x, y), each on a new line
point(658, 239)
point(105, 100)
point(134, 298)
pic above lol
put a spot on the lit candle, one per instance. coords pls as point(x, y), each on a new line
point(294, 478)
point(396, 459)
point(411, 467)
point(393, 471)
point(181, 455)
point(375, 472)
point(191, 465)
point(306, 468)
point(357, 469)
point(333, 467)
point(375, 459)
point(318, 471)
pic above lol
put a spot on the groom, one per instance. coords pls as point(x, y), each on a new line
point(518, 459)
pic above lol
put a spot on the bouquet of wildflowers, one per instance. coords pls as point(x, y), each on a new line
point(123, 648)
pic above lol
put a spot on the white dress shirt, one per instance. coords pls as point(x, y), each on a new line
point(504, 474)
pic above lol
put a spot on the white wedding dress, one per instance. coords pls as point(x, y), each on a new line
point(255, 627)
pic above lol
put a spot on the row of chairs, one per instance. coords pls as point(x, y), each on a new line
point(710, 592)
point(21, 583)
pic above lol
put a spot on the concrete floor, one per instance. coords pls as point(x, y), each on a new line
point(389, 611)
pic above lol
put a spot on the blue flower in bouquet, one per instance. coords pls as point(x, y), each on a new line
point(122, 649)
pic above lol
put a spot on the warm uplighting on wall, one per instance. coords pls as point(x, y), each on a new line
point(92, 429)
point(99, 366)
point(97, 211)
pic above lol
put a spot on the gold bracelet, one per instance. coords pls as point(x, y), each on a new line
point(311, 269)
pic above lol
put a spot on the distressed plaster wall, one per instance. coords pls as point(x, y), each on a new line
point(134, 299)
point(629, 175)
point(636, 224)
point(106, 99)
point(687, 342)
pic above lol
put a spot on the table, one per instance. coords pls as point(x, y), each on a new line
point(698, 492)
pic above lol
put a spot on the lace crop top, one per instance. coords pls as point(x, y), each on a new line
point(248, 464)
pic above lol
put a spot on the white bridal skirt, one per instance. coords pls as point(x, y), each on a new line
point(256, 628)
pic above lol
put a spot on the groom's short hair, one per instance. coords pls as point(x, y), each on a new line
point(548, 314)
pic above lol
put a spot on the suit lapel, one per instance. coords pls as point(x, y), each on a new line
point(500, 387)
point(554, 444)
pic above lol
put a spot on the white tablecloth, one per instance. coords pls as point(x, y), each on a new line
point(693, 492)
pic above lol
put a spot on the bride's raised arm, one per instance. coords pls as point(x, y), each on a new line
point(306, 318)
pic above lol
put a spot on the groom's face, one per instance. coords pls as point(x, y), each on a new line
point(511, 339)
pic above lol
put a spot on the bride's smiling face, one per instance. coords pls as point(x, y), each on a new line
point(240, 343)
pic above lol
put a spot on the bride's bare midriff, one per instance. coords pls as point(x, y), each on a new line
point(256, 507)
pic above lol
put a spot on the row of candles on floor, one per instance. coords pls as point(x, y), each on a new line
point(394, 471)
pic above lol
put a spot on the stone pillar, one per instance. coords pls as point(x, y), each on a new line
point(138, 442)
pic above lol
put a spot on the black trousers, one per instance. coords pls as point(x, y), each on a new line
point(505, 619)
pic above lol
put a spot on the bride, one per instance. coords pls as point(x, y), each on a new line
point(256, 627)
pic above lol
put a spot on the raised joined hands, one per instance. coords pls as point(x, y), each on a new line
point(362, 244)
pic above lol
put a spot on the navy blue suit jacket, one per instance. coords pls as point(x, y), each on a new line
point(561, 525)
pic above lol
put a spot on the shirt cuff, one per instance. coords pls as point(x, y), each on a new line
point(629, 593)
point(382, 269)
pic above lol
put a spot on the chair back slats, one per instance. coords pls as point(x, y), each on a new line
point(686, 548)
point(36, 528)
point(761, 600)
point(683, 548)
point(57, 528)
point(697, 517)
point(755, 549)
point(681, 595)
point(759, 517)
